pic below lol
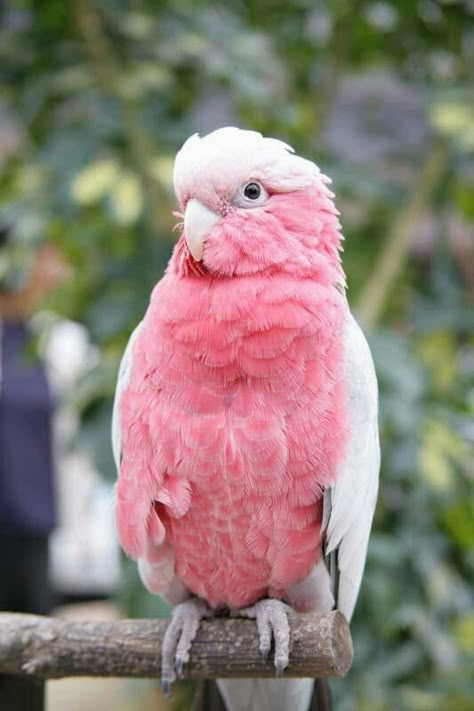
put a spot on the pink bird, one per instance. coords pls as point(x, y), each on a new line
point(245, 419)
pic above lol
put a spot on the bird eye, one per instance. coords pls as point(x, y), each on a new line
point(252, 191)
point(250, 194)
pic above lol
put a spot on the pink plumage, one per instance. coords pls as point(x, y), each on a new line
point(233, 418)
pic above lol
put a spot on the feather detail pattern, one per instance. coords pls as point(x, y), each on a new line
point(232, 425)
point(349, 504)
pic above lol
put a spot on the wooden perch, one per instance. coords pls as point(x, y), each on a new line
point(51, 648)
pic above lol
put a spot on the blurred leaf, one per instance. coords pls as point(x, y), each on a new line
point(441, 448)
point(464, 633)
point(94, 182)
point(438, 350)
point(126, 198)
point(162, 170)
point(458, 520)
point(455, 119)
point(143, 78)
point(463, 195)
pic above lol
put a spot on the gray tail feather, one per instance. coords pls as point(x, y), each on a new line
point(208, 697)
point(322, 699)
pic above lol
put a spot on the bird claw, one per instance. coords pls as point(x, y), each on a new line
point(179, 664)
point(165, 687)
point(272, 622)
point(179, 636)
point(281, 664)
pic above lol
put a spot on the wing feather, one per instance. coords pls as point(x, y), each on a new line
point(123, 378)
point(350, 504)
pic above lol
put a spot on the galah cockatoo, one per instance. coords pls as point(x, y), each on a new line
point(245, 419)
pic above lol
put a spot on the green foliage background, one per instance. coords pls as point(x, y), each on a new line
point(96, 96)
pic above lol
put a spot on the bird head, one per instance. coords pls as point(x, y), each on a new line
point(251, 205)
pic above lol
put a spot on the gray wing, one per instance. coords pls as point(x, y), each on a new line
point(122, 379)
point(349, 505)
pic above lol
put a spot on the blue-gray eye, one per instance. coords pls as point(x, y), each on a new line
point(252, 191)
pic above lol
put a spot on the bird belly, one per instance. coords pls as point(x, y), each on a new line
point(233, 555)
point(233, 427)
point(252, 527)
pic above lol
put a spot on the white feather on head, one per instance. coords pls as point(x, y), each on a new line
point(226, 158)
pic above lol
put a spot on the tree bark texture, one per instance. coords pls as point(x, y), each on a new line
point(51, 648)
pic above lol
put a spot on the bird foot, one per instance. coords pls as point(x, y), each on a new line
point(272, 621)
point(179, 636)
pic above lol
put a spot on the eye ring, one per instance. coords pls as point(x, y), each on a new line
point(252, 191)
point(250, 194)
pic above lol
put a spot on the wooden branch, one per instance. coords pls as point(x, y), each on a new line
point(51, 648)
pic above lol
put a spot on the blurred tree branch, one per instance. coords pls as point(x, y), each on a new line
point(343, 18)
point(390, 262)
point(108, 75)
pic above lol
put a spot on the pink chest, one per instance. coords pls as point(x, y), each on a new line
point(236, 399)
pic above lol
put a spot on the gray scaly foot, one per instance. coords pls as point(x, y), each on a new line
point(272, 621)
point(179, 635)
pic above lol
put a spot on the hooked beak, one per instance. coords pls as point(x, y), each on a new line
point(198, 222)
